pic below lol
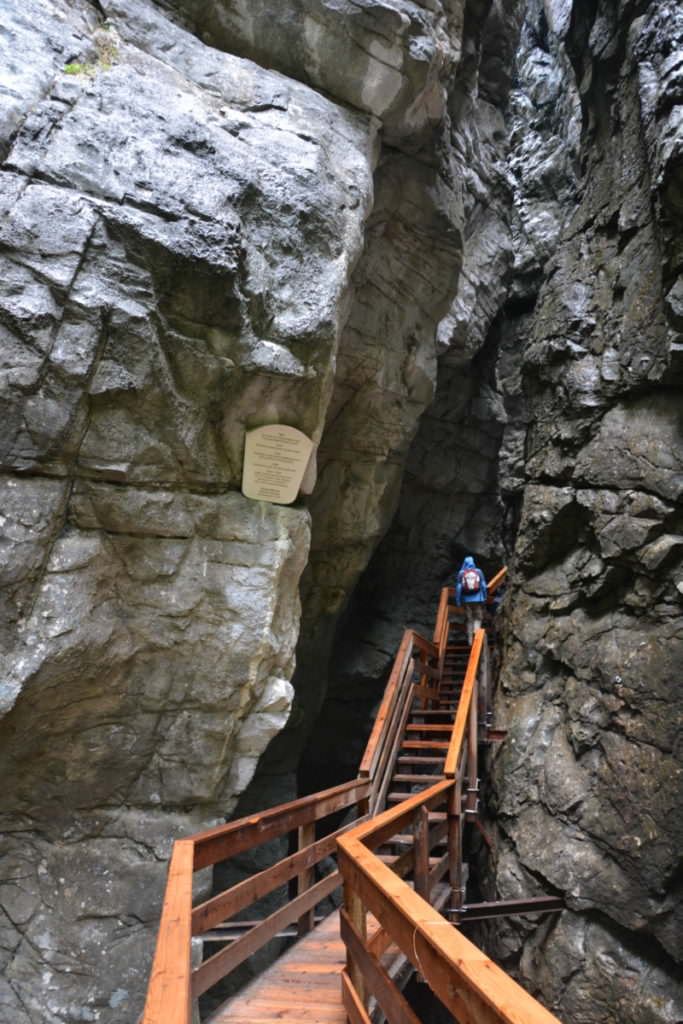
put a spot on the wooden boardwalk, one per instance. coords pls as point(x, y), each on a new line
point(398, 864)
point(302, 987)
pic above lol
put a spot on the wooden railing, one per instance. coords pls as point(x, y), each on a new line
point(447, 608)
point(415, 673)
point(470, 985)
point(174, 983)
point(403, 899)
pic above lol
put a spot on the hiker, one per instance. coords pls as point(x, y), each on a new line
point(470, 592)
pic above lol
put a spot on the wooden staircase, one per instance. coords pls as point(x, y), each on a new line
point(400, 860)
point(422, 755)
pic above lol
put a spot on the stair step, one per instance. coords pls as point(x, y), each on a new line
point(419, 760)
point(428, 714)
point(425, 745)
point(425, 727)
point(398, 798)
point(417, 778)
point(391, 858)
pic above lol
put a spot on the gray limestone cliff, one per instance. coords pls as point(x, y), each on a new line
point(589, 782)
point(197, 231)
point(444, 240)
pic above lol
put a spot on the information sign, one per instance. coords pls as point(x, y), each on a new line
point(275, 460)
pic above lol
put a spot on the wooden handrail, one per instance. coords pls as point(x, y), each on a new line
point(409, 641)
point(169, 993)
point(372, 750)
point(468, 983)
point(385, 825)
point(173, 983)
point(225, 841)
point(441, 615)
point(496, 581)
point(226, 904)
point(466, 697)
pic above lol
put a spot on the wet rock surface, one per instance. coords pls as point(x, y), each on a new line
point(589, 780)
point(162, 203)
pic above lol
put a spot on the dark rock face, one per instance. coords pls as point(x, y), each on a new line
point(589, 781)
point(555, 433)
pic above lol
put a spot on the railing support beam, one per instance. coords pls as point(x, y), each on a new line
point(358, 918)
point(306, 837)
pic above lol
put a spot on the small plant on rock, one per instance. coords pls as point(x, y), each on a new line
point(106, 43)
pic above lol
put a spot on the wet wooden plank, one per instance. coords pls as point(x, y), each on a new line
point(221, 963)
point(302, 987)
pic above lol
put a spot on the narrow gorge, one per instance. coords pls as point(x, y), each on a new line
point(444, 240)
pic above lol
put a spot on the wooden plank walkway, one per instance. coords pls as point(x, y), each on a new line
point(302, 987)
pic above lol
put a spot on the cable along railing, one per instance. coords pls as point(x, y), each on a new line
point(391, 901)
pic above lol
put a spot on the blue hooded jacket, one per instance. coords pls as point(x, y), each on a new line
point(480, 595)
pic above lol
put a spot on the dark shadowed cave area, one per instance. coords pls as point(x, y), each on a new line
point(444, 239)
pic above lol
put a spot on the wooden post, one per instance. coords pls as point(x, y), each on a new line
point(482, 685)
point(169, 996)
point(472, 752)
point(422, 679)
point(306, 878)
point(421, 852)
point(484, 689)
point(357, 915)
point(455, 872)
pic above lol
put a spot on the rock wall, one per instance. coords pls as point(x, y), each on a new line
point(452, 260)
point(589, 781)
point(162, 204)
point(554, 440)
point(450, 500)
point(202, 232)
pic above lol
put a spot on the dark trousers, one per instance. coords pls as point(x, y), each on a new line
point(474, 617)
